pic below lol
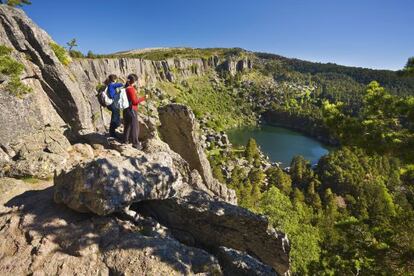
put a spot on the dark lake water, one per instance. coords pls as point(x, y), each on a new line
point(279, 143)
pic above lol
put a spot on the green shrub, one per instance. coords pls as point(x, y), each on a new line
point(5, 51)
point(76, 54)
point(13, 69)
point(17, 88)
point(10, 67)
point(61, 53)
point(91, 55)
point(18, 3)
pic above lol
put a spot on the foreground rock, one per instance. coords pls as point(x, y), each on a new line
point(179, 130)
point(199, 221)
point(159, 183)
point(37, 154)
point(107, 185)
point(43, 238)
point(11, 187)
point(234, 262)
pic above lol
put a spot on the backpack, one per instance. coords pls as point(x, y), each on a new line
point(121, 99)
point(103, 98)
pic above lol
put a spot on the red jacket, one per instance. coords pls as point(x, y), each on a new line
point(132, 97)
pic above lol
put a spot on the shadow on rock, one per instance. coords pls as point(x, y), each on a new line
point(40, 235)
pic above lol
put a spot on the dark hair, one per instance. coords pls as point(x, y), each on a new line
point(110, 78)
point(131, 79)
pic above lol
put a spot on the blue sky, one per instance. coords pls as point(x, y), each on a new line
point(365, 33)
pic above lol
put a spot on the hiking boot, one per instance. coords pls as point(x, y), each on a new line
point(137, 146)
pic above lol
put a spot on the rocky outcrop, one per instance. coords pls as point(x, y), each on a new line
point(122, 175)
point(39, 237)
point(234, 66)
point(179, 130)
point(160, 183)
point(94, 71)
point(234, 262)
point(37, 154)
point(107, 185)
point(56, 96)
point(200, 221)
point(11, 187)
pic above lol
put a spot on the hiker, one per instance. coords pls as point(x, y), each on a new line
point(115, 116)
point(131, 126)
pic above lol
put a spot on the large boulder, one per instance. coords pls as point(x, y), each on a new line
point(39, 237)
point(198, 220)
point(179, 130)
point(107, 185)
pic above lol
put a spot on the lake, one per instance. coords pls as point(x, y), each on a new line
point(279, 143)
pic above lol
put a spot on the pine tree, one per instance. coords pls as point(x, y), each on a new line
point(255, 195)
point(252, 151)
point(313, 198)
point(71, 44)
point(218, 174)
point(409, 67)
point(91, 54)
point(298, 196)
point(278, 178)
point(245, 195)
point(300, 172)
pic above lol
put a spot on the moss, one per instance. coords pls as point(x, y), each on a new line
point(30, 180)
point(61, 53)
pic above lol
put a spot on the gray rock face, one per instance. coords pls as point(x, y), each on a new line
point(238, 263)
point(107, 185)
point(37, 154)
point(39, 237)
point(233, 66)
point(56, 97)
point(200, 221)
point(179, 130)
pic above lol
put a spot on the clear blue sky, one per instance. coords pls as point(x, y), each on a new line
point(366, 33)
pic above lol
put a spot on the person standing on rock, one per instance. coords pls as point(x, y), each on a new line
point(131, 126)
point(113, 85)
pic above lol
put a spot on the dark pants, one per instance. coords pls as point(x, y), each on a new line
point(131, 127)
point(115, 120)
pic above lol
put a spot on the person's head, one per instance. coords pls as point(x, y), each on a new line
point(132, 79)
point(111, 78)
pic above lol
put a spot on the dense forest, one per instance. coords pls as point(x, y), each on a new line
point(353, 213)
